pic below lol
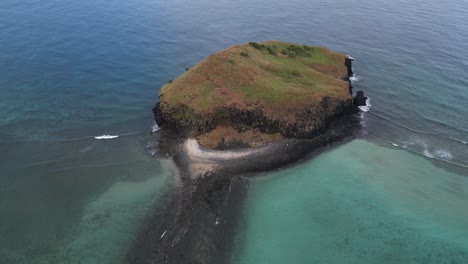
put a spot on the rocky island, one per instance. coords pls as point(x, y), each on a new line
point(253, 94)
point(248, 108)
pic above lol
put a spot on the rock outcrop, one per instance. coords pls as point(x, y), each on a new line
point(259, 90)
point(359, 99)
point(245, 96)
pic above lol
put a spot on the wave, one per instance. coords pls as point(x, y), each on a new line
point(420, 147)
point(439, 154)
point(428, 154)
point(354, 78)
point(106, 137)
point(459, 140)
point(437, 157)
point(403, 126)
point(429, 151)
point(420, 131)
point(443, 124)
point(366, 108)
point(444, 154)
point(155, 128)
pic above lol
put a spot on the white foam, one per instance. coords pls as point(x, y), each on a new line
point(349, 57)
point(362, 122)
point(155, 128)
point(354, 78)
point(395, 145)
point(366, 108)
point(163, 234)
point(106, 137)
point(421, 143)
point(443, 154)
point(428, 154)
point(432, 152)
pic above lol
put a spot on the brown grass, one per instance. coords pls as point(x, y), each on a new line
point(227, 135)
point(281, 84)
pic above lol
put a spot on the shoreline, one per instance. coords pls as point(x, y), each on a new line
point(197, 220)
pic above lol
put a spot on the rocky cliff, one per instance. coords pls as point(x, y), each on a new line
point(256, 93)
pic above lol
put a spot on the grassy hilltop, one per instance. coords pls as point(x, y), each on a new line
point(257, 93)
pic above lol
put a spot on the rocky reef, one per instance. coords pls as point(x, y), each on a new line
point(198, 219)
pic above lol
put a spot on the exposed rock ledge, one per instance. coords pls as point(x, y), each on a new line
point(198, 220)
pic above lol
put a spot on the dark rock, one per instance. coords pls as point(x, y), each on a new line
point(199, 220)
point(360, 99)
point(349, 65)
point(158, 115)
point(307, 124)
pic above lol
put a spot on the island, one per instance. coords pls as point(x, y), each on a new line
point(254, 94)
point(249, 108)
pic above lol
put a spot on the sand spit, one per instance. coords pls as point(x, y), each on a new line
point(197, 221)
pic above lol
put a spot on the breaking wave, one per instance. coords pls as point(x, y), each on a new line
point(155, 128)
point(366, 108)
point(443, 154)
point(429, 151)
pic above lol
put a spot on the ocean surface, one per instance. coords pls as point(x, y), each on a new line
point(71, 71)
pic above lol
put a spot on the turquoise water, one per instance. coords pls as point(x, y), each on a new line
point(359, 203)
point(73, 70)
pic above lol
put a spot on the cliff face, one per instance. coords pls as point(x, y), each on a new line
point(261, 92)
point(305, 123)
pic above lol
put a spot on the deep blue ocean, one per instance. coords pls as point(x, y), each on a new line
point(74, 70)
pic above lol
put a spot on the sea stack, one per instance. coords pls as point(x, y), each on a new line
point(360, 99)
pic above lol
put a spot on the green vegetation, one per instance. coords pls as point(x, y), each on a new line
point(271, 49)
point(294, 50)
point(281, 77)
point(256, 45)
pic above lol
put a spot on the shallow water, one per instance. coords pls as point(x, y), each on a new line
point(348, 206)
point(84, 207)
point(74, 70)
